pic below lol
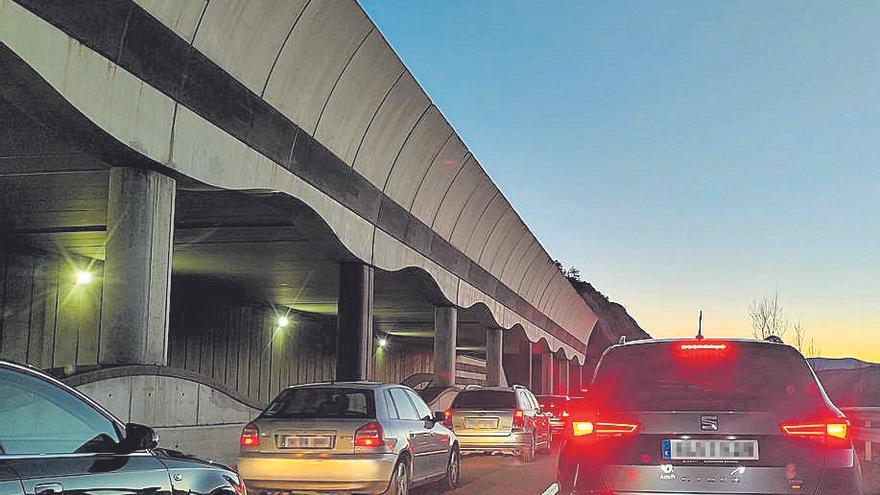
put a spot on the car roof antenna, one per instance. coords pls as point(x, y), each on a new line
point(700, 327)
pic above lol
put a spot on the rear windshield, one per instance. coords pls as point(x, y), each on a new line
point(320, 403)
point(547, 400)
point(744, 376)
point(485, 399)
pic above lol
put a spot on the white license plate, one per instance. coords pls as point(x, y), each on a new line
point(481, 423)
point(711, 450)
point(305, 442)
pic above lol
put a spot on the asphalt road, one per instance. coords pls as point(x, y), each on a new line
point(502, 475)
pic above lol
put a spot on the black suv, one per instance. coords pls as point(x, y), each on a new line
point(55, 440)
point(707, 417)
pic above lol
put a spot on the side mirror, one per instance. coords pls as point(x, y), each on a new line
point(138, 437)
point(439, 416)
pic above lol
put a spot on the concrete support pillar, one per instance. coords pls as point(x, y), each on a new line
point(494, 354)
point(563, 377)
point(574, 379)
point(547, 371)
point(137, 268)
point(525, 354)
point(445, 332)
point(354, 344)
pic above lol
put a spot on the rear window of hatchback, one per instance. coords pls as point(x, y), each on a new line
point(322, 403)
point(670, 376)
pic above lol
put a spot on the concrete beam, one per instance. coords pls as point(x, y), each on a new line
point(445, 333)
point(354, 343)
point(137, 269)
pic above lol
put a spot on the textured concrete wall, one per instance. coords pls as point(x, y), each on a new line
point(189, 415)
point(46, 319)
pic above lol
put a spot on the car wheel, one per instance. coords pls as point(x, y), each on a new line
point(453, 472)
point(527, 454)
point(399, 480)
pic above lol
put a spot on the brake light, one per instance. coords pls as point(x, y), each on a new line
point(447, 418)
point(519, 418)
point(833, 433)
point(250, 436)
point(584, 428)
point(703, 347)
point(369, 435)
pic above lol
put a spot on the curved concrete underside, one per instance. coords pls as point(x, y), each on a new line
point(305, 99)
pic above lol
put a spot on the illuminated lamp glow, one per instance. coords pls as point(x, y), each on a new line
point(83, 277)
point(383, 342)
point(283, 321)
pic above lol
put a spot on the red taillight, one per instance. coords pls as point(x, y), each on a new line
point(584, 428)
point(519, 418)
point(447, 418)
point(369, 435)
point(250, 436)
point(834, 433)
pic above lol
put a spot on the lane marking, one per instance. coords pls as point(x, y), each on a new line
point(551, 490)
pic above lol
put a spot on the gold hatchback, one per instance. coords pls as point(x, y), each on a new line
point(353, 438)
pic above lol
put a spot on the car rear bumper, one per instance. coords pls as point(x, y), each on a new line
point(490, 443)
point(342, 474)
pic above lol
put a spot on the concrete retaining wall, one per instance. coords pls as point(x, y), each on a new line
point(190, 415)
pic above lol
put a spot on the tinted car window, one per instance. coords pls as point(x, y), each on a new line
point(392, 409)
point(320, 403)
point(41, 418)
point(421, 408)
point(485, 399)
point(742, 377)
point(405, 407)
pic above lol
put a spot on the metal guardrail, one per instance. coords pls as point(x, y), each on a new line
point(866, 430)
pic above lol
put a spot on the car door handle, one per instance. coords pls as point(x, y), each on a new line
point(48, 489)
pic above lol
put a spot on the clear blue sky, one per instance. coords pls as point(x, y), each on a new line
point(683, 155)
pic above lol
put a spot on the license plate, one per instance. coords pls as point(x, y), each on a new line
point(481, 423)
point(305, 442)
point(711, 450)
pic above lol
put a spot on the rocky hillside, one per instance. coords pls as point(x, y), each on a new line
point(614, 321)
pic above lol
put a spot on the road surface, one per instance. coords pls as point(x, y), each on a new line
point(502, 475)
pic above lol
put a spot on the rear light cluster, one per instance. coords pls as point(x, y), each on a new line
point(369, 435)
point(834, 433)
point(519, 418)
point(586, 428)
point(250, 436)
point(447, 418)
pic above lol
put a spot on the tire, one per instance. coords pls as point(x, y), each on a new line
point(453, 472)
point(399, 484)
point(527, 454)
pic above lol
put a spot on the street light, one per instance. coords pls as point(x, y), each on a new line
point(83, 277)
point(283, 321)
point(383, 343)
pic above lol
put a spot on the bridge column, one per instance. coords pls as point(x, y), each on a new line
point(137, 268)
point(445, 330)
point(494, 354)
point(354, 344)
point(545, 373)
point(563, 386)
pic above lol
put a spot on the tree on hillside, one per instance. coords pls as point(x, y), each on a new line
point(767, 318)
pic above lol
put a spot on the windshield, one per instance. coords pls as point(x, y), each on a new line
point(661, 377)
point(322, 403)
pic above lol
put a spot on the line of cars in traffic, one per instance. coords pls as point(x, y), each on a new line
point(663, 416)
point(346, 437)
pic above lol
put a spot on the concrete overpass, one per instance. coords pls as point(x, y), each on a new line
point(217, 165)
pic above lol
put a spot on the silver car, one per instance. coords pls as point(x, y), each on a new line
point(500, 419)
point(357, 438)
point(707, 417)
